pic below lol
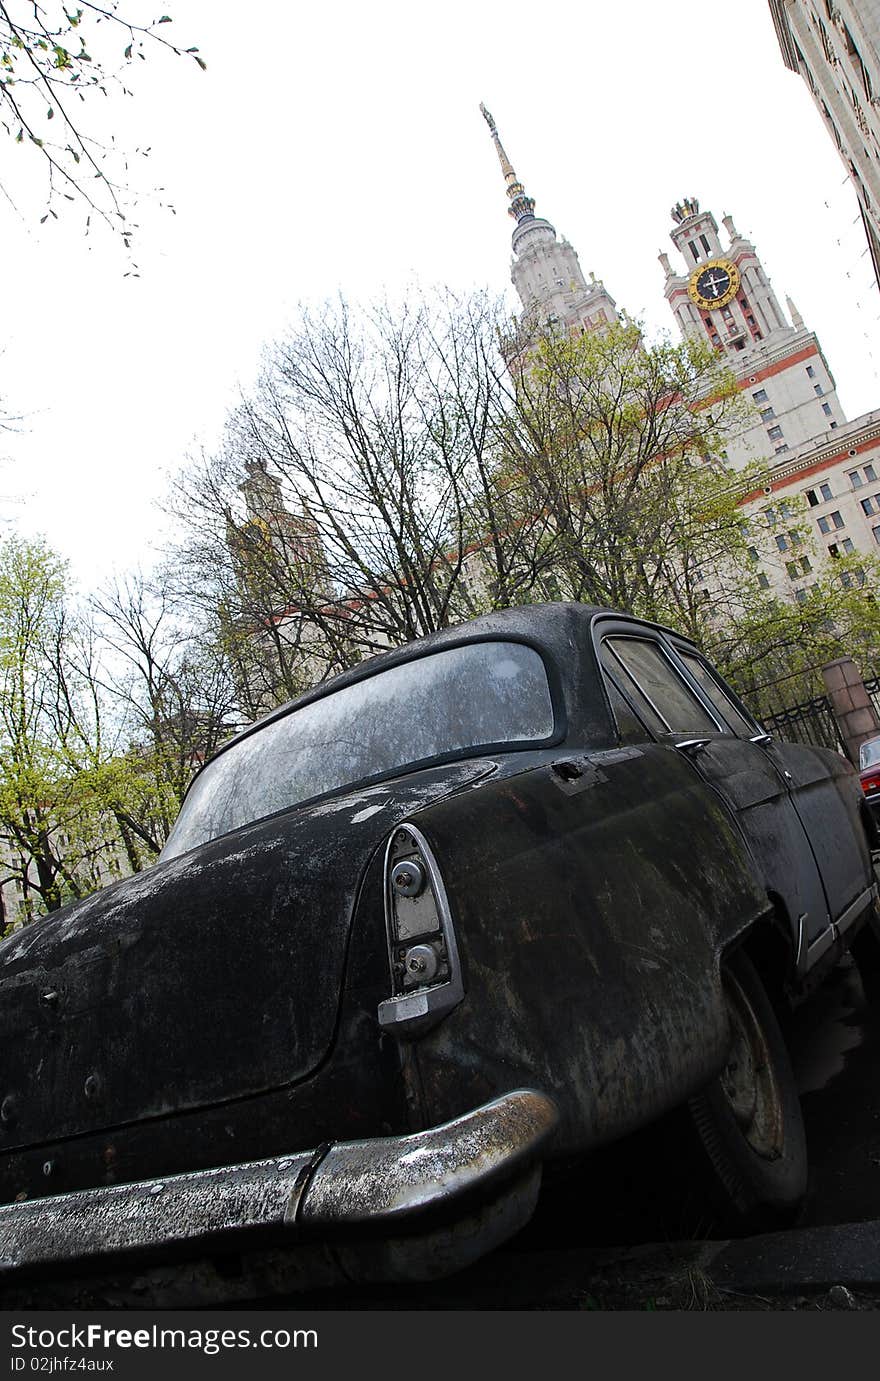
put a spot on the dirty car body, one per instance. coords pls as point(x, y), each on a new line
point(459, 914)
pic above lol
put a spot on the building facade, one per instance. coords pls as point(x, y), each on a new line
point(835, 46)
point(819, 499)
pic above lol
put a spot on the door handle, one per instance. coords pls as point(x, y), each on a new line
point(692, 745)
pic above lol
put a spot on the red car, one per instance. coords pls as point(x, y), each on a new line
point(869, 774)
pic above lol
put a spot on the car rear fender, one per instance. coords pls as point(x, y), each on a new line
point(592, 898)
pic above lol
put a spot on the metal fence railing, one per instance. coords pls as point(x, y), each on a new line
point(812, 721)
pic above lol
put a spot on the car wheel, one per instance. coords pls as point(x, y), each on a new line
point(748, 1120)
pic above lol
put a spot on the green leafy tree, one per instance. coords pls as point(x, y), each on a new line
point(46, 825)
point(55, 61)
point(104, 717)
point(620, 443)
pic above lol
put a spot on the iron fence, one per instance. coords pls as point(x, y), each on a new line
point(872, 686)
point(812, 721)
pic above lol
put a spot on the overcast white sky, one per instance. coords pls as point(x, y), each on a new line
point(339, 147)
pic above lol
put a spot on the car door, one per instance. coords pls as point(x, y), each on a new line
point(822, 791)
point(645, 671)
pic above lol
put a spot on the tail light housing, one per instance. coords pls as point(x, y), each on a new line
point(871, 782)
point(423, 958)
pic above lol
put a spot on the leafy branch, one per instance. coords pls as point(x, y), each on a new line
point(52, 57)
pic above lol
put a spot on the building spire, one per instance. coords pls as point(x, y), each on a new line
point(521, 207)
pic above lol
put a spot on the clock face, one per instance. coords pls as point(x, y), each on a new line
point(714, 284)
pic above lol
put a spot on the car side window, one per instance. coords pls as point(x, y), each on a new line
point(713, 689)
point(672, 701)
point(619, 681)
point(630, 727)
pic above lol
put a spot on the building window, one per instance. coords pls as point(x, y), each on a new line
point(780, 450)
point(753, 553)
point(806, 564)
point(870, 506)
point(818, 390)
point(855, 479)
point(774, 433)
point(770, 515)
point(813, 498)
point(763, 581)
point(800, 596)
point(693, 249)
point(833, 520)
point(792, 569)
point(760, 396)
point(785, 509)
point(782, 541)
point(811, 373)
point(766, 414)
point(876, 532)
point(825, 491)
point(833, 551)
point(826, 408)
point(848, 545)
point(833, 426)
point(870, 473)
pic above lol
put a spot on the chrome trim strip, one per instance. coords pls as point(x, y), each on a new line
point(412, 1012)
point(800, 963)
point(855, 909)
point(821, 943)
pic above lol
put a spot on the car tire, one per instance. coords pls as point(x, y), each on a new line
point(748, 1121)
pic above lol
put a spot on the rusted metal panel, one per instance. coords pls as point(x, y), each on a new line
point(214, 976)
point(591, 926)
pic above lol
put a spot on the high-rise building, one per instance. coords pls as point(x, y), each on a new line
point(725, 297)
point(545, 270)
point(819, 496)
point(835, 47)
point(820, 471)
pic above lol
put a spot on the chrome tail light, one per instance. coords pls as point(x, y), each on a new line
point(422, 952)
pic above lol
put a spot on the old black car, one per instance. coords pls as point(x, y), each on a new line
point(469, 910)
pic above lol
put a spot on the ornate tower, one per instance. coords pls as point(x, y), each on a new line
point(274, 546)
point(724, 296)
point(545, 271)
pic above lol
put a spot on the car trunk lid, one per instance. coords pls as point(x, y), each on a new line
point(212, 976)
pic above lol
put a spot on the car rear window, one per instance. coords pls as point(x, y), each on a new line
point(869, 753)
point(433, 707)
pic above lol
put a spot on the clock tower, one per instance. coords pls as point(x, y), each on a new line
point(725, 297)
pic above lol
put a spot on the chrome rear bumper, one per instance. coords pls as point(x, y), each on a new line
point(388, 1208)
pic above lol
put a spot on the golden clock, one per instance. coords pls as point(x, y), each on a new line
point(714, 284)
